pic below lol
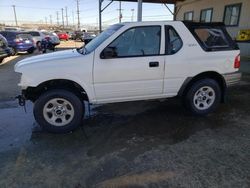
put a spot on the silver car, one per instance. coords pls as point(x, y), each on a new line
point(38, 36)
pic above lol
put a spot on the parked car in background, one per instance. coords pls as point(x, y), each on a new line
point(71, 35)
point(87, 37)
point(5, 51)
point(63, 36)
point(52, 37)
point(77, 35)
point(19, 41)
point(39, 36)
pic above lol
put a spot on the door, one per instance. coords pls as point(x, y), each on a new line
point(131, 66)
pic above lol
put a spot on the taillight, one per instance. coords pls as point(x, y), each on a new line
point(18, 40)
point(237, 62)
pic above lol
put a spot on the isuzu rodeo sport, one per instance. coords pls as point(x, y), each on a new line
point(129, 62)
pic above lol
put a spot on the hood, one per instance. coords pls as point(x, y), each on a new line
point(48, 57)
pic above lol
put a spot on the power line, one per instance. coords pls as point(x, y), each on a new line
point(37, 8)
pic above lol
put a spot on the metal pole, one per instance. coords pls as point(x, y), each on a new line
point(73, 19)
point(57, 17)
point(100, 16)
point(139, 11)
point(66, 12)
point(78, 15)
point(46, 20)
point(50, 18)
point(14, 9)
point(132, 17)
point(120, 11)
point(62, 19)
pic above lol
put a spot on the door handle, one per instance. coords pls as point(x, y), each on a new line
point(154, 64)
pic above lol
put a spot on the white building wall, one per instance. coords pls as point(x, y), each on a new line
point(218, 15)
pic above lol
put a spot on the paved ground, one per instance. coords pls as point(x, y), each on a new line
point(140, 144)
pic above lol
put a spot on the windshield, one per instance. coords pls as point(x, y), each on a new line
point(92, 45)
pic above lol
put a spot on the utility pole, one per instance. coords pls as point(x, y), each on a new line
point(100, 15)
point(132, 16)
point(78, 15)
point(14, 9)
point(66, 12)
point(46, 20)
point(73, 19)
point(57, 17)
point(50, 18)
point(62, 18)
point(120, 11)
point(139, 13)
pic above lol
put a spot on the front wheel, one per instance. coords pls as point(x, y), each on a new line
point(59, 111)
point(203, 97)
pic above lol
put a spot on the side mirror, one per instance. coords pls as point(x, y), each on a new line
point(108, 52)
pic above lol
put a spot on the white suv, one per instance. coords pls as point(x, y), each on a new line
point(129, 62)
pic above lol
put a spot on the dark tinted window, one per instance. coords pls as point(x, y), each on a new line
point(8, 35)
point(35, 34)
point(24, 36)
point(3, 33)
point(138, 41)
point(173, 41)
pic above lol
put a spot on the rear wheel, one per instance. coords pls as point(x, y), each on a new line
point(30, 51)
point(59, 111)
point(13, 50)
point(203, 97)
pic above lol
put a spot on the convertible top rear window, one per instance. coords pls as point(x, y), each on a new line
point(212, 36)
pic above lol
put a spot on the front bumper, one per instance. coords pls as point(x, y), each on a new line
point(232, 79)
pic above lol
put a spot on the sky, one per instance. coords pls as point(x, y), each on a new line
point(40, 11)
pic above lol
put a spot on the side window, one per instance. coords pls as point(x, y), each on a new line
point(138, 41)
point(173, 41)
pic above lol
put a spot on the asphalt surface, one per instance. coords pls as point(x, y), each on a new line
point(134, 144)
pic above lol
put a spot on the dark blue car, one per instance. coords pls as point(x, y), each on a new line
point(19, 41)
point(5, 51)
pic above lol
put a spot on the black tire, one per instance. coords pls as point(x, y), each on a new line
point(43, 101)
point(1, 60)
point(38, 45)
point(14, 51)
point(191, 102)
point(30, 51)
